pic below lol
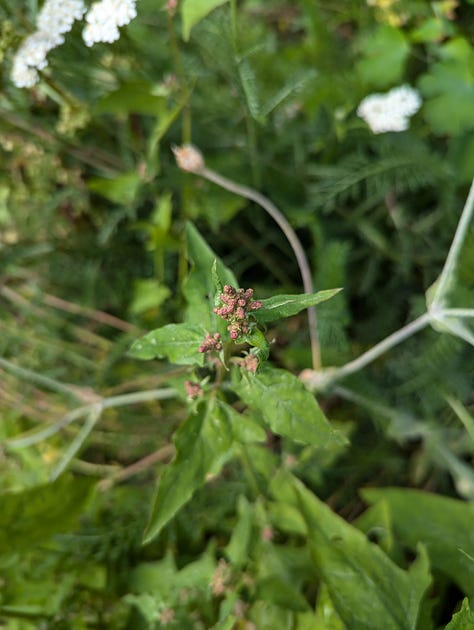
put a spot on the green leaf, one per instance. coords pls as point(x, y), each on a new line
point(31, 517)
point(384, 55)
point(448, 89)
point(463, 620)
point(286, 406)
point(193, 11)
point(367, 589)
point(135, 96)
point(121, 190)
point(199, 289)
point(281, 306)
point(147, 293)
point(443, 525)
point(248, 82)
point(203, 443)
point(238, 547)
point(179, 343)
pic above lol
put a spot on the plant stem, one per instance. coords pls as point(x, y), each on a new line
point(380, 348)
point(447, 274)
point(282, 222)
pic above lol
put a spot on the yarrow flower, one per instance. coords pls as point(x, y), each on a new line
point(104, 18)
point(236, 305)
point(391, 111)
point(55, 18)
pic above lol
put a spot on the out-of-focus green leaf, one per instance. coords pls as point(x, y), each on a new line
point(383, 56)
point(121, 189)
point(135, 96)
point(463, 620)
point(448, 89)
point(203, 443)
point(31, 517)
point(147, 293)
point(179, 343)
point(238, 548)
point(286, 406)
point(368, 590)
point(442, 524)
point(193, 11)
point(280, 306)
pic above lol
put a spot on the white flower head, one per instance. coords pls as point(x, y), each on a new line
point(55, 18)
point(104, 18)
point(391, 111)
point(58, 16)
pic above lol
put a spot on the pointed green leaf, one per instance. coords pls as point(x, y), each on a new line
point(193, 11)
point(368, 590)
point(203, 443)
point(281, 306)
point(199, 288)
point(442, 524)
point(31, 517)
point(463, 620)
point(286, 406)
point(179, 343)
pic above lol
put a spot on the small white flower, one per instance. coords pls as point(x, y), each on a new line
point(55, 18)
point(391, 111)
point(104, 18)
point(58, 16)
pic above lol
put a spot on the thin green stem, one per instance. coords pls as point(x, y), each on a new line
point(282, 222)
point(380, 348)
point(39, 379)
point(34, 437)
point(458, 312)
point(446, 278)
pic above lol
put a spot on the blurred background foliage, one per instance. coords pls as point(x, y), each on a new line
point(92, 215)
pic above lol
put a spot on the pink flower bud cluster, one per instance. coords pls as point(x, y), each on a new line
point(236, 304)
point(211, 344)
point(193, 390)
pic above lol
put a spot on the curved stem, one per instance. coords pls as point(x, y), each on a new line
point(282, 222)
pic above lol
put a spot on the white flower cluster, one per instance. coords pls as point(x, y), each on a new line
point(391, 111)
point(105, 17)
point(57, 18)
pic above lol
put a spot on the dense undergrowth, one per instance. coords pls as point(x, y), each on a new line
point(209, 486)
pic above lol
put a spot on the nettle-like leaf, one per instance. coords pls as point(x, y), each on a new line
point(464, 619)
point(31, 517)
point(203, 444)
point(368, 590)
point(193, 11)
point(179, 343)
point(199, 288)
point(449, 538)
point(286, 406)
point(281, 306)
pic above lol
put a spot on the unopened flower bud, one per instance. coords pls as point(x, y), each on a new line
point(188, 158)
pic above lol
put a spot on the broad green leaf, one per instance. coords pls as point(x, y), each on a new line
point(193, 11)
point(147, 293)
point(367, 589)
point(244, 428)
point(463, 620)
point(179, 343)
point(442, 524)
point(383, 56)
point(281, 306)
point(286, 406)
point(203, 443)
point(250, 90)
point(199, 289)
point(31, 517)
